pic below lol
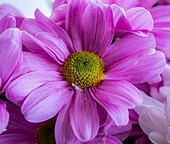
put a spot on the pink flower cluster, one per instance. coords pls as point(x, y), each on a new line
point(94, 72)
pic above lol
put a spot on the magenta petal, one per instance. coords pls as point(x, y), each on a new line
point(84, 117)
point(53, 28)
point(4, 118)
point(19, 89)
point(120, 49)
point(146, 69)
point(162, 40)
point(55, 46)
point(73, 22)
point(63, 130)
point(10, 52)
point(98, 34)
point(45, 101)
point(36, 62)
point(119, 93)
point(140, 19)
point(7, 22)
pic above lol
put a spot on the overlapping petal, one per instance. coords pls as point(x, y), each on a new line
point(10, 53)
point(83, 116)
point(50, 98)
point(4, 116)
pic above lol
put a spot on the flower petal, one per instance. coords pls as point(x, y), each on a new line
point(84, 117)
point(120, 49)
point(63, 130)
point(6, 22)
point(4, 116)
point(98, 34)
point(55, 46)
point(36, 62)
point(19, 89)
point(45, 101)
point(119, 93)
point(10, 53)
point(140, 19)
point(157, 138)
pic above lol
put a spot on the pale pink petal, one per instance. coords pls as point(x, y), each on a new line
point(6, 22)
point(54, 46)
point(157, 138)
point(4, 118)
point(154, 120)
point(19, 89)
point(83, 116)
point(45, 101)
point(63, 130)
point(119, 93)
point(140, 19)
point(10, 53)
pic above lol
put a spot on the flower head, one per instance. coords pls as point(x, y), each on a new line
point(73, 71)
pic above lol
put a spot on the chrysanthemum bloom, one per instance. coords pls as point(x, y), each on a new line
point(77, 74)
point(154, 119)
point(10, 56)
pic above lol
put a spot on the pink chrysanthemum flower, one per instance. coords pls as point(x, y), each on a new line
point(75, 74)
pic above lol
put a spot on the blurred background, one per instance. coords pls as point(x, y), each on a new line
point(27, 7)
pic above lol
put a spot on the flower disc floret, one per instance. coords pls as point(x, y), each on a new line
point(83, 69)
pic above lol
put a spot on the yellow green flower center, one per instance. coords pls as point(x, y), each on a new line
point(45, 133)
point(83, 69)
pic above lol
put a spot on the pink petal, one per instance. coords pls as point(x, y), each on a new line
point(140, 19)
point(45, 101)
point(6, 22)
point(141, 71)
point(161, 16)
point(28, 82)
point(120, 49)
point(162, 40)
point(73, 22)
point(4, 118)
point(10, 52)
point(119, 93)
point(63, 130)
point(53, 28)
point(97, 35)
point(157, 138)
point(55, 46)
point(153, 120)
point(7, 9)
point(36, 62)
point(84, 117)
